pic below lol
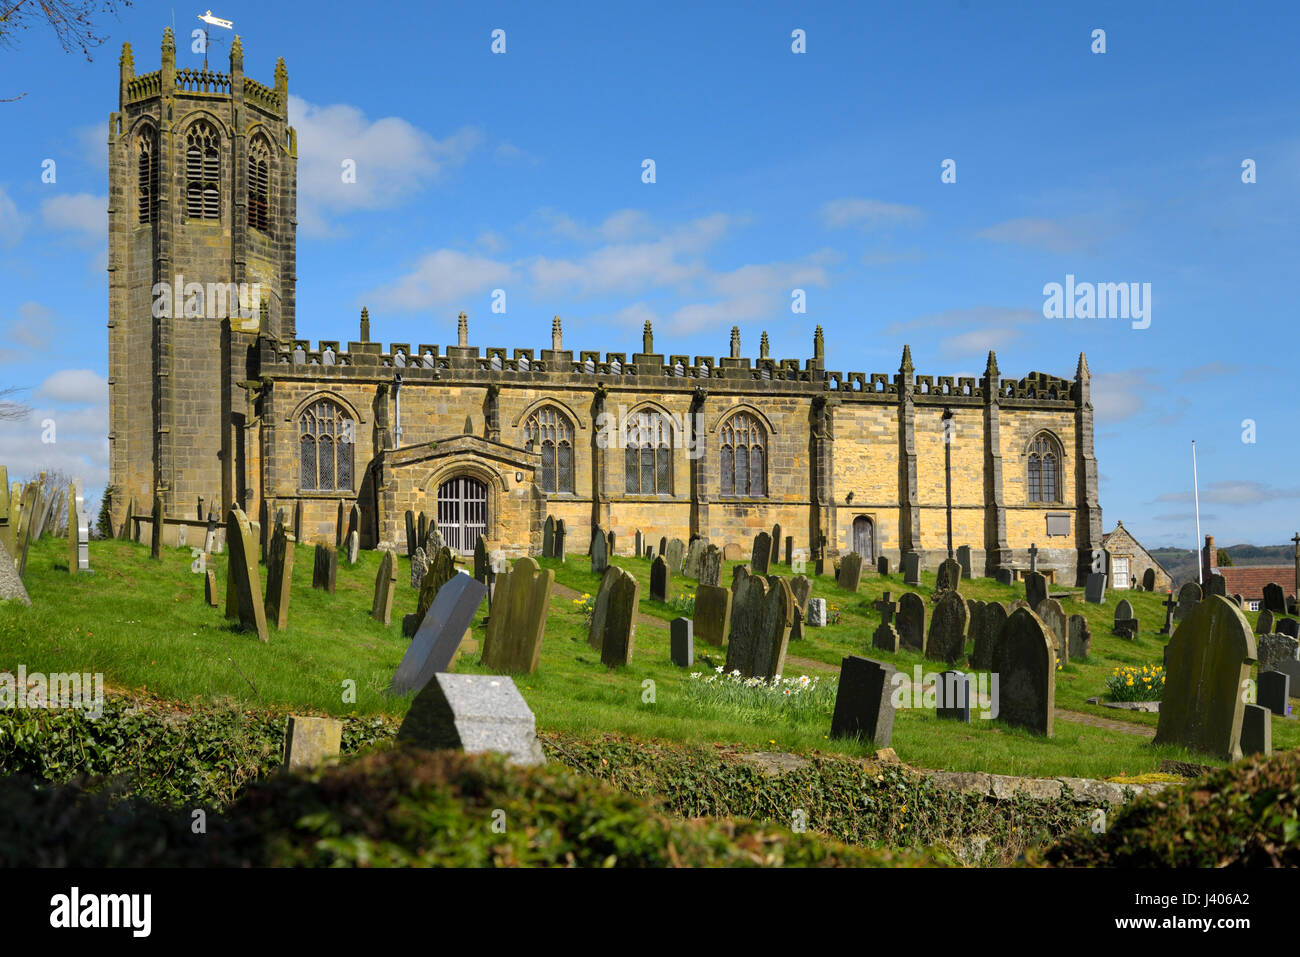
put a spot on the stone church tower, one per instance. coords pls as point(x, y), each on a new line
point(202, 200)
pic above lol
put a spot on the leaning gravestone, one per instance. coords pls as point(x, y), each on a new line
point(513, 643)
point(682, 647)
point(1264, 624)
point(1095, 590)
point(712, 617)
point(1149, 580)
point(711, 566)
point(761, 554)
point(1026, 669)
point(850, 571)
point(599, 552)
point(1080, 643)
point(325, 568)
point(381, 608)
point(952, 696)
point(864, 707)
point(419, 567)
point(911, 568)
point(613, 621)
point(1208, 662)
point(948, 578)
point(11, 586)
point(1054, 617)
point(1035, 589)
point(439, 634)
point(885, 637)
point(761, 617)
point(243, 590)
point(1188, 598)
point(987, 629)
point(659, 579)
point(911, 621)
point(476, 714)
point(412, 534)
point(947, 638)
point(1276, 650)
point(695, 558)
point(1274, 598)
point(209, 586)
point(561, 533)
point(279, 577)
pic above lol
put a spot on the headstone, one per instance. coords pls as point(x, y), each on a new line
point(1256, 730)
point(1126, 623)
point(682, 642)
point(850, 571)
point(1264, 624)
point(1170, 604)
point(311, 742)
point(513, 643)
point(561, 532)
point(1209, 659)
point(948, 578)
point(482, 563)
point(885, 637)
point(155, 542)
point(640, 543)
point(1238, 600)
point(911, 621)
point(1004, 576)
point(1149, 580)
point(279, 578)
point(442, 568)
point(1058, 623)
point(325, 569)
point(209, 586)
point(78, 531)
point(1275, 649)
point(412, 533)
point(476, 714)
point(1095, 590)
point(987, 630)
point(381, 608)
point(243, 589)
point(1033, 557)
point(963, 560)
point(439, 635)
point(864, 706)
point(341, 527)
point(419, 566)
point(711, 566)
point(1080, 643)
point(789, 551)
point(1273, 691)
point(11, 585)
point(663, 545)
point(731, 552)
point(354, 546)
point(1188, 598)
point(712, 617)
point(952, 696)
point(659, 579)
point(599, 552)
point(761, 554)
point(1274, 598)
point(548, 538)
point(694, 558)
point(816, 613)
point(1026, 669)
point(761, 616)
point(1288, 626)
point(264, 529)
point(1035, 589)
point(882, 565)
point(613, 621)
point(911, 568)
point(801, 586)
point(947, 638)
point(774, 557)
point(1216, 584)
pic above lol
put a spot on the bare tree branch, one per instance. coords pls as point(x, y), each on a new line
point(11, 411)
point(72, 21)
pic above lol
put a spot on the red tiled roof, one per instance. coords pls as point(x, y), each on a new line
point(1248, 581)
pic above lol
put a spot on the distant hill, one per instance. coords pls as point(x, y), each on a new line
point(1181, 563)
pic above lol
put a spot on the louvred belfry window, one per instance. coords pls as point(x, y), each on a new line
point(325, 445)
point(146, 158)
point(202, 172)
point(743, 464)
point(549, 432)
point(259, 185)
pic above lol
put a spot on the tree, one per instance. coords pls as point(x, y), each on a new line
point(1223, 560)
point(71, 20)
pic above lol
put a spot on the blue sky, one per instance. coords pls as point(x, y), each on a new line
point(774, 171)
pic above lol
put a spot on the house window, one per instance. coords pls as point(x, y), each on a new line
point(548, 430)
point(325, 443)
point(1044, 469)
point(202, 172)
point(648, 456)
point(743, 460)
point(146, 160)
point(259, 184)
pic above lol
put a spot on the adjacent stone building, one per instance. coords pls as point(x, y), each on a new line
point(1129, 561)
point(206, 412)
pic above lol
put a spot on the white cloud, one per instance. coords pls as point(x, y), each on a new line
point(82, 213)
point(512, 155)
point(74, 387)
point(13, 224)
point(91, 144)
point(1233, 492)
point(393, 159)
point(869, 213)
point(1075, 234)
point(970, 332)
point(1117, 396)
point(33, 327)
point(443, 277)
point(80, 434)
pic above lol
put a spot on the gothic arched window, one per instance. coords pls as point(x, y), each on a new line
point(202, 172)
point(259, 184)
point(146, 162)
point(1044, 469)
point(743, 466)
point(648, 454)
point(326, 437)
point(549, 431)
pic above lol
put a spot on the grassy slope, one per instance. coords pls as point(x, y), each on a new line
point(144, 625)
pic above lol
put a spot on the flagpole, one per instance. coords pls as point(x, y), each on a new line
point(1196, 496)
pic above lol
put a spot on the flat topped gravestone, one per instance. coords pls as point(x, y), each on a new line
point(1273, 691)
point(864, 707)
point(963, 559)
point(850, 571)
point(1095, 590)
point(439, 634)
point(476, 714)
point(243, 589)
point(761, 554)
point(712, 616)
point(1274, 598)
point(1277, 652)
point(599, 552)
point(816, 613)
point(1216, 584)
point(952, 696)
point(1208, 660)
point(1003, 576)
point(613, 620)
point(911, 621)
point(513, 643)
point(911, 568)
point(947, 638)
point(310, 742)
point(325, 568)
point(1256, 730)
point(682, 648)
point(1026, 669)
point(882, 565)
point(986, 629)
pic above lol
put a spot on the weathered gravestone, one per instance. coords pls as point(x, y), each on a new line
point(911, 568)
point(1216, 584)
point(548, 538)
point(1276, 651)
point(1149, 580)
point(711, 566)
point(325, 568)
point(801, 586)
point(612, 540)
point(482, 562)
point(442, 568)
point(1207, 663)
point(1256, 730)
point(774, 556)
point(341, 527)
point(850, 571)
point(952, 696)
point(354, 546)
point(885, 637)
point(761, 616)
point(1274, 598)
point(599, 552)
point(1288, 626)
point(419, 567)
point(311, 742)
point(279, 578)
point(11, 586)
point(963, 560)
point(613, 621)
point(243, 589)
point(947, 638)
point(815, 616)
point(695, 558)
point(1273, 691)
point(1126, 623)
point(789, 550)
point(561, 533)
point(1188, 597)
point(731, 552)
point(1080, 643)
point(987, 629)
point(78, 532)
point(712, 616)
point(864, 707)
point(412, 533)
point(476, 714)
point(1035, 589)
point(1026, 668)
point(381, 608)
point(209, 586)
point(682, 649)
point(948, 577)
point(439, 635)
point(659, 579)
point(155, 540)
point(513, 643)
point(640, 544)
point(761, 553)
point(1095, 590)
point(1004, 576)
point(1054, 617)
point(1264, 624)
point(911, 621)
point(663, 545)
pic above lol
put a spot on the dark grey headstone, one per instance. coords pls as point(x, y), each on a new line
point(613, 620)
point(440, 633)
point(912, 568)
point(850, 571)
point(947, 637)
point(1026, 669)
point(548, 538)
point(1288, 626)
point(948, 577)
point(1273, 691)
point(1035, 589)
point(1004, 576)
point(952, 696)
point(682, 633)
point(1080, 643)
point(476, 714)
point(599, 552)
point(1095, 590)
point(1216, 584)
point(1256, 730)
point(864, 707)
point(761, 554)
point(986, 629)
point(963, 559)
point(1189, 596)
point(911, 621)
point(659, 579)
point(882, 565)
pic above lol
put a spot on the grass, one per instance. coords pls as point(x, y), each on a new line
point(144, 624)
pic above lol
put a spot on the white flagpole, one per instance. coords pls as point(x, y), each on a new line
point(1196, 495)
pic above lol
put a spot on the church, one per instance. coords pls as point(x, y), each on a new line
point(208, 412)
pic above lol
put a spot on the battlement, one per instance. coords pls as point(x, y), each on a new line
point(169, 81)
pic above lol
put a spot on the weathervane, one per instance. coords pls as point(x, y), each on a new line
point(208, 18)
